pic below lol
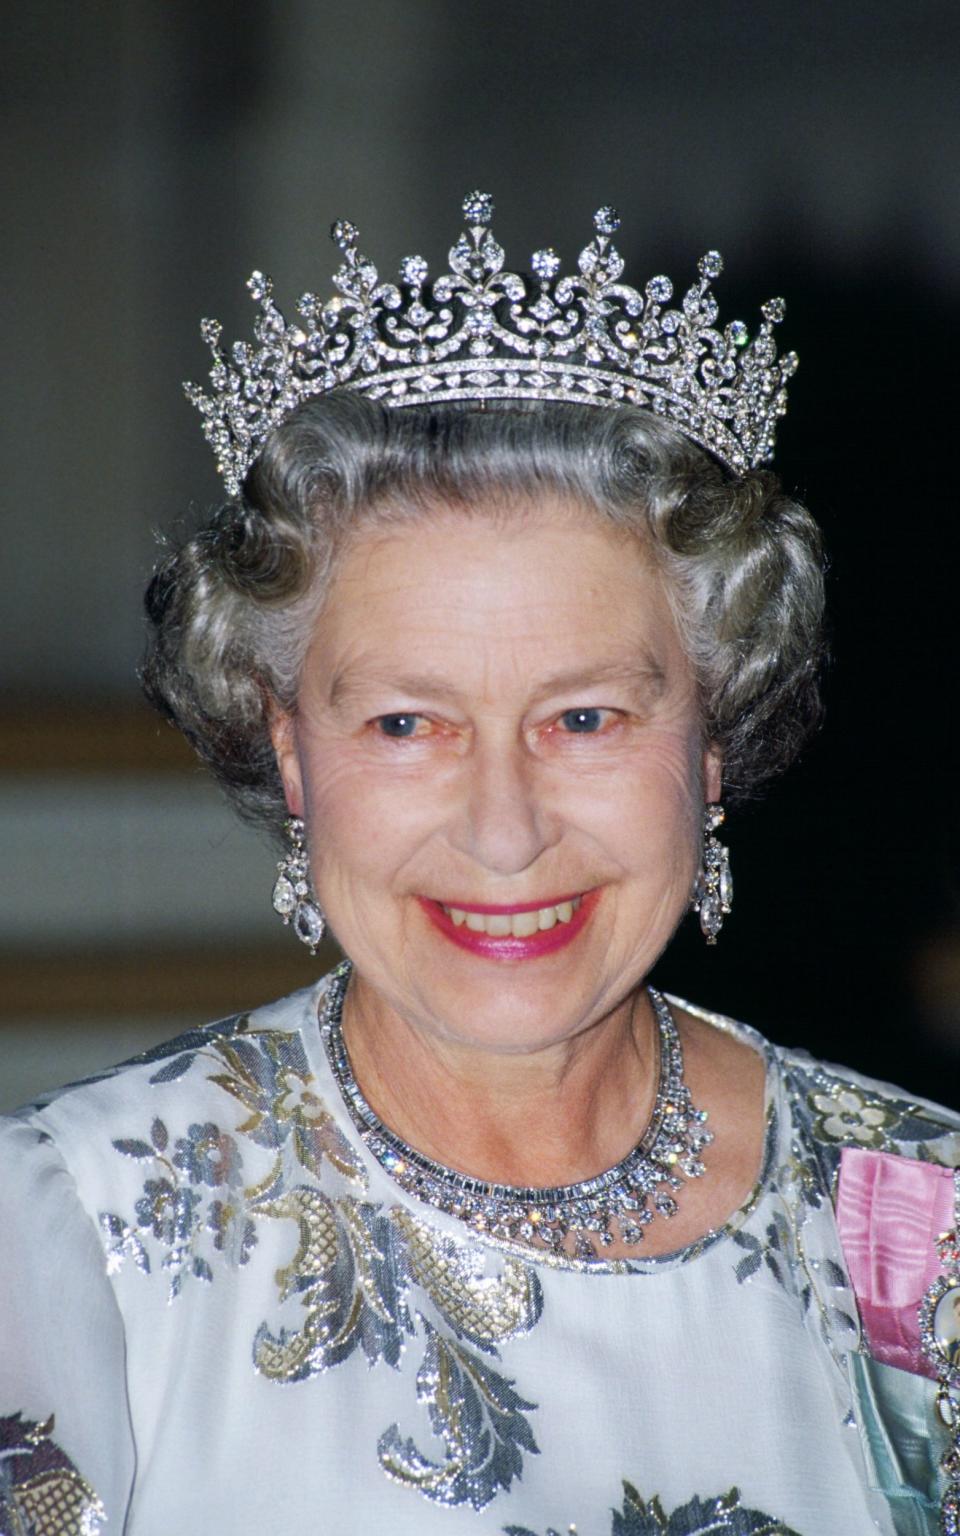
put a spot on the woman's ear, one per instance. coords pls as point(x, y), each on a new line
point(712, 774)
point(283, 734)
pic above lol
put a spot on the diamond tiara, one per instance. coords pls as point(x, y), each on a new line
point(479, 333)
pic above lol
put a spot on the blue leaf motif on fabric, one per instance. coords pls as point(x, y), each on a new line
point(345, 1274)
point(721, 1516)
point(172, 1210)
point(477, 1414)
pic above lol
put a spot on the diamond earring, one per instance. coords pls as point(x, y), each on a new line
point(713, 892)
point(292, 896)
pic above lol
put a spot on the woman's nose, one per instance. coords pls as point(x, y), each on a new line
point(503, 821)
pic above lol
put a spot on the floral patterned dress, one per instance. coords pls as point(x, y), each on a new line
point(218, 1313)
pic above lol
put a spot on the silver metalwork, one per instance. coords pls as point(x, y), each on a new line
point(292, 896)
point(578, 1220)
point(479, 333)
point(940, 1341)
point(713, 892)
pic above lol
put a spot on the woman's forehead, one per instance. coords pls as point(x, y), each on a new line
point(565, 597)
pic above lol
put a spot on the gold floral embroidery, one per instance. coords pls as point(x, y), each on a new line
point(488, 1309)
point(41, 1491)
point(274, 1083)
point(846, 1114)
point(352, 1269)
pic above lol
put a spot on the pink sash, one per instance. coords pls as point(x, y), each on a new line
point(890, 1212)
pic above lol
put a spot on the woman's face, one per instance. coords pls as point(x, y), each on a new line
point(498, 756)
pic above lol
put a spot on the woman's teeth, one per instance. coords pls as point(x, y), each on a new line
point(515, 925)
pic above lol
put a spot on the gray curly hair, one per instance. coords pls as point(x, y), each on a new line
point(232, 609)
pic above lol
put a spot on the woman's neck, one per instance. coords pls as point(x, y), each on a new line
point(555, 1115)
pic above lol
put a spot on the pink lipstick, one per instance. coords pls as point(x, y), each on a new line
point(511, 946)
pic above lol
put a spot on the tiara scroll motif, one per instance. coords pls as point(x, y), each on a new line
point(480, 333)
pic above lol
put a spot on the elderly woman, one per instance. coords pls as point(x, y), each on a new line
point(480, 1232)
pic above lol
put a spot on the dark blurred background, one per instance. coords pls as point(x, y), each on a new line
point(155, 152)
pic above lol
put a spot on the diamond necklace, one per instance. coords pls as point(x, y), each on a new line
point(578, 1220)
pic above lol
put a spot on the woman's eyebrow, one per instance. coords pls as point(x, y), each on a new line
point(355, 680)
point(641, 673)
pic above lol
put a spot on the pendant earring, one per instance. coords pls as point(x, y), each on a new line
point(292, 897)
point(713, 892)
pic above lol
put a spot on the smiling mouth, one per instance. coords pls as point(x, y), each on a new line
point(516, 925)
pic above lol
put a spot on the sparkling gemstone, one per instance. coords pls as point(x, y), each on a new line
point(711, 918)
point(710, 265)
point(308, 923)
point(284, 897)
point(492, 253)
point(738, 333)
point(259, 285)
point(631, 1234)
point(665, 1204)
point(660, 290)
point(774, 311)
point(946, 1409)
point(210, 331)
point(461, 253)
point(344, 234)
point(413, 270)
point(606, 220)
point(726, 884)
point(480, 320)
point(545, 264)
point(950, 1463)
point(478, 208)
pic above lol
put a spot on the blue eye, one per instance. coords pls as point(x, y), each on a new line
point(582, 721)
point(398, 726)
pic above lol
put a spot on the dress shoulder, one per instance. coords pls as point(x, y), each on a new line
point(840, 1107)
point(172, 1059)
